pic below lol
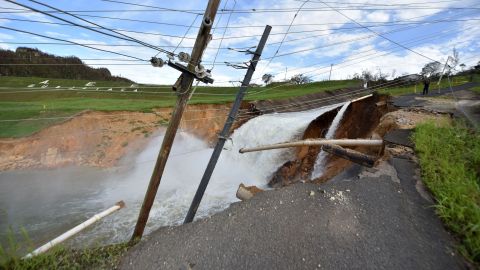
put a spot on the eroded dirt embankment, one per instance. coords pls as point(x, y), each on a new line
point(102, 138)
point(359, 121)
point(368, 118)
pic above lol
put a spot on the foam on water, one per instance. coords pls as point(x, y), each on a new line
point(81, 192)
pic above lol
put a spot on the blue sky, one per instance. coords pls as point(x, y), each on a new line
point(412, 23)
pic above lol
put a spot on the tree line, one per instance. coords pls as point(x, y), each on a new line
point(58, 67)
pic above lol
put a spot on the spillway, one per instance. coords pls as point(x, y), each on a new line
point(48, 202)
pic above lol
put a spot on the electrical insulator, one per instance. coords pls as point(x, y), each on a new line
point(184, 57)
point(170, 56)
point(156, 62)
point(202, 75)
point(199, 69)
point(208, 73)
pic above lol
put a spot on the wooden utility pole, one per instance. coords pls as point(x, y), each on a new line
point(226, 128)
point(183, 88)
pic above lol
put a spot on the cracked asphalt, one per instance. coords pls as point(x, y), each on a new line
point(362, 219)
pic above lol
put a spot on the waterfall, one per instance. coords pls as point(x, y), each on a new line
point(318, 167)
point(80, 192)
point(268, 129)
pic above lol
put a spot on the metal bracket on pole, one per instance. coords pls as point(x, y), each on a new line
point(184, 69)
point(226, 128)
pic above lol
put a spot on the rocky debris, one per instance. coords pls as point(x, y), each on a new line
point(247, 192)
point(407, 118)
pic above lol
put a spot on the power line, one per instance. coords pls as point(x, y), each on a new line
point(223, 36)
point(96, 44)
point(333, 44)
point(72, 42)
point(342, 66)
point(378, 34)
point(374, 4)
point(286, 33)
point(217, 27)
point(252, 10)
point(304, 50)
point(124, 37)
point(196, 12)
point(186, 33)
point(256, 35)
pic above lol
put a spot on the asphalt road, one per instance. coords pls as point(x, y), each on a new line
point(464, 103)
point(363, 219)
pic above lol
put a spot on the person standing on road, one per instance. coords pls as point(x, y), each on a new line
point(426, 85)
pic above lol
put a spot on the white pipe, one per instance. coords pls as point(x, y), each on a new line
point(310, 142)
point(119, 205)
point(360, 98)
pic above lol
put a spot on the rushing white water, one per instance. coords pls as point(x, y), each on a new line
point(48, 202)
point(319, 166)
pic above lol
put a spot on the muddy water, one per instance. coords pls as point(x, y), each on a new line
point(48, 202)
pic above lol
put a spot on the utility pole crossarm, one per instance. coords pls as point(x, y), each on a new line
point(183, 89)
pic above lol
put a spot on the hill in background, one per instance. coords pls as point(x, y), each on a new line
point(70, 67)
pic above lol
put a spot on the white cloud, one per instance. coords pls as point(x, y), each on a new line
point(324, 44)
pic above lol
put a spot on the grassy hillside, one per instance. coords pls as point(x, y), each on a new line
point(395, 91)
point(17, 101)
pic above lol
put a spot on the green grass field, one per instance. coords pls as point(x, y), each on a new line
point(396, 91)
point(17, 101)
point(450, 160)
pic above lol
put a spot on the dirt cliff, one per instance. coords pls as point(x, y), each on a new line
point(359, 121)
point(102, 138)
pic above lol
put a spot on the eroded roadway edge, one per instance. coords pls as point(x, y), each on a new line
point(362, 219)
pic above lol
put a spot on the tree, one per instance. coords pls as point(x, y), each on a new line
point(394, 72)
point(462, 66)
point(267, 78)
point(454, 60)
point(300, 79)
point(380, 76)
point(367, 76)
point(431, 69)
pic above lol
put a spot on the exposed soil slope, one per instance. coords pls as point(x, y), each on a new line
point(102, 138)
point(359, 121)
